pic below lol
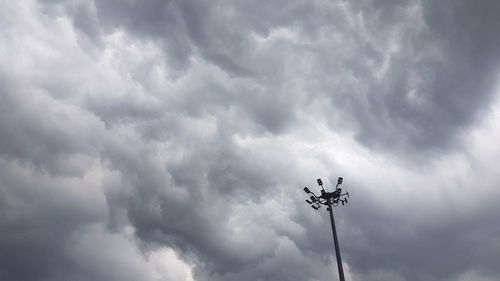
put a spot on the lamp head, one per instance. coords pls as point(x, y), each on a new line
point(307, 190)
point(320, 182)
point(339, 180)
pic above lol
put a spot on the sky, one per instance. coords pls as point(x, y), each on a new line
point(167, 140)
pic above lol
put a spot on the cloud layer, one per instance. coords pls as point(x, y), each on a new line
point(170, 140)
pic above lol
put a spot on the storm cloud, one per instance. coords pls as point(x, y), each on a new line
point(171, 140)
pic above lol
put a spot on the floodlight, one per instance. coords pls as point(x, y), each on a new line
point(307, 200)
point(339, 180)
point(313, 198)
point(307, 190)
point(320, 183)
point(315, 207)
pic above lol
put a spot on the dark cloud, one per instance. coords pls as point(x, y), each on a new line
point(412, 76)
point(133, 127)
point(427, 72)
point(439, 243)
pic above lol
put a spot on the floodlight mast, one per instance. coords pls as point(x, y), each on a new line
point(330, 199)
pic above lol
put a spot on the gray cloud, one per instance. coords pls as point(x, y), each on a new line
point(415, 75)
point(128, 127)
point(402, 72)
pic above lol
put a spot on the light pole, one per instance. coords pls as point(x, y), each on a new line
point(330, 199)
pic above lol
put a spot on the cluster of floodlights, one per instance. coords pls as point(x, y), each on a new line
point(327, 198)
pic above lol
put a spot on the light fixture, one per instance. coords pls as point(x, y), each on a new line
point(320, 183)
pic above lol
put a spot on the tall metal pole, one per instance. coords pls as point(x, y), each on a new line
point(336, 242)
point(330, 199)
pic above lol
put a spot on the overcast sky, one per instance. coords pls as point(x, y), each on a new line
point(169, 140)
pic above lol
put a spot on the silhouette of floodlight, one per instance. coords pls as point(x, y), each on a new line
point(320, 183)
